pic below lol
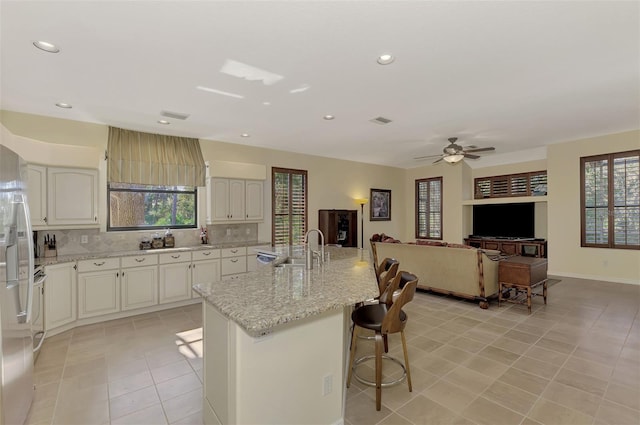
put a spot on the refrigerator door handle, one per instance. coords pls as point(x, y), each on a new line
point(25, 316)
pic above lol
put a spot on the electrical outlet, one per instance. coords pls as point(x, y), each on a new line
point(327, 384)
point(84, 239)
point(248, 231)
point(228, 231)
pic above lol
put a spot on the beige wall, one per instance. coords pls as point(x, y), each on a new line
point(335, 183)
point(566, 257)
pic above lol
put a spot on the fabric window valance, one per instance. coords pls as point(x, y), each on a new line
point(154, 159)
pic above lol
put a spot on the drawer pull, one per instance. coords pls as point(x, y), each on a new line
point(175, 257)
point(234, 260)
point(98, 264)
point(140, 260)
point(206, 253)
point(234, 251)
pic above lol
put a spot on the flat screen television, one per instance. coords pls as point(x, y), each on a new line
point(504, 220)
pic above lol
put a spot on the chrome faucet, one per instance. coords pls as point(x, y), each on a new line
point(310, 252)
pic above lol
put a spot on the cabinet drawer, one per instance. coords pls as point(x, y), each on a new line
point(232, 252)
point(205, 254)
point(98, 264)
point(139, 260)
point(234, 265)
point(174, 257)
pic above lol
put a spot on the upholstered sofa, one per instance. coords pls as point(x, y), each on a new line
point(451, 269)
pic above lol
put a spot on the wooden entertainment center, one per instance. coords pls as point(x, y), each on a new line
point(524, 247)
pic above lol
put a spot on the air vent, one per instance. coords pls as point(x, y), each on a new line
point(174, 115)
point(381, 120)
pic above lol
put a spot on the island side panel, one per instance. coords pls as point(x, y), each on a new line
point(276, 379)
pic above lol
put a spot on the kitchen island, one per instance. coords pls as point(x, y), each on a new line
point(276, 341)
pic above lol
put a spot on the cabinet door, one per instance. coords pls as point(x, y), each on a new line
point(219, 199)
point(139, 287)
point(254, 190)
point(236, 200)
point(203, 272)
point(174, 282)
point(60, 295)
point(98, 293)
point(509, 248)
point(72, 196)
point(37, 193)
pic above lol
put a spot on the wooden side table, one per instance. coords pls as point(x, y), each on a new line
point(522, 274)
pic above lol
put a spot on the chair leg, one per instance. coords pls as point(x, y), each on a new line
point(406, 360)
point(352, 355)
point(386, 343)
point(379, 345)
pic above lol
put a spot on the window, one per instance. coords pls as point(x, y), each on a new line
point(510, 185)
point(429, 208)
point(289, 206)
point(610, 200)
point(137, 207)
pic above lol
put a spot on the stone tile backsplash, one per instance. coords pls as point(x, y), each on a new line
point(70, 242)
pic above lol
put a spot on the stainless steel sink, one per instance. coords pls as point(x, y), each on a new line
point(289, 262)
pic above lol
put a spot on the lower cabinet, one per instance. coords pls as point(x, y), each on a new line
point(234, 261)
point(138, 282)
point(175, 281)
point(205, 267)
point(98, 287)
point(60, 295)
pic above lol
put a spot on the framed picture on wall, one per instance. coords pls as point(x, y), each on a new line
point(380, 209)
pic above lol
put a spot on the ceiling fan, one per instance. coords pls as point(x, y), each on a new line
point(453, 152)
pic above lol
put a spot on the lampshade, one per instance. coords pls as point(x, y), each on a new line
point(452, 159)
point(361, 201)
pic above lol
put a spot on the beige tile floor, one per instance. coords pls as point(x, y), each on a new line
point(574, 361)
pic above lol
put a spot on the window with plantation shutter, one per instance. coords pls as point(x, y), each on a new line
point(610, 200)
point(289, 216)
point(511, 185)
point(429, 208)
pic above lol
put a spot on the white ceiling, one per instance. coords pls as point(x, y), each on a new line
point(510, 74)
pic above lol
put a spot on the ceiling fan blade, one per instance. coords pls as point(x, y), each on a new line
point(427, 156)
point(467, 155)
point(480, 149)
point(436, 161)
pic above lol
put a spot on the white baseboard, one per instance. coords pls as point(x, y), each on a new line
point(552, 273)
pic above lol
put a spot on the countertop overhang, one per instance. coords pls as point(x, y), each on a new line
point(271, 296)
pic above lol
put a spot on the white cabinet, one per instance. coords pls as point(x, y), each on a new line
point(234, 200)
point(138, 281)
point(254, 200)
point(60, 295)
point(37, 194)
point(98, 287)
point(61, 196)
point(175, 277)
point(205, 267)
point(234, 261)
point(72, 196)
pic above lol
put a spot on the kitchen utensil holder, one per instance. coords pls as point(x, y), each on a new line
point(50, 252)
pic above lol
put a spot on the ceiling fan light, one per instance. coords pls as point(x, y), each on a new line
point(452, 159)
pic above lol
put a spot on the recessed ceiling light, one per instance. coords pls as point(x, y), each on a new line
point(47, 47)
point(163, 122)
point(64, 105)
point(328, 117)
point(385, 59)
point(245, 135)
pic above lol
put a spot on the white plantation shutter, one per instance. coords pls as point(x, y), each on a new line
point(429, 208)
point(289, 206)
point(610, 200)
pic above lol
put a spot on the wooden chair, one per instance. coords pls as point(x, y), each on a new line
point(386, 271)
point(384, 318)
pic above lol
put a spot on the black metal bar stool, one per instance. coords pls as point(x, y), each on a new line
point(384, 318)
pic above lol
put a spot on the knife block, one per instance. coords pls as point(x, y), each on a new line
point(48, 252)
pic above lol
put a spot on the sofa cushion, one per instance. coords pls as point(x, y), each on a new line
point(430, 243)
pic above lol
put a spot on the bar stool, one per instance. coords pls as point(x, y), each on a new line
point(384, 318)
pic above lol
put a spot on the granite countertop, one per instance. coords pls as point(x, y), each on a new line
point(46, 261)
point(260, 301)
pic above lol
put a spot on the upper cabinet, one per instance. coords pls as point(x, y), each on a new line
point(63, 197)
point(234, 200)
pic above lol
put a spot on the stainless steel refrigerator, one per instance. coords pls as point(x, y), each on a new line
point(16, 291)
